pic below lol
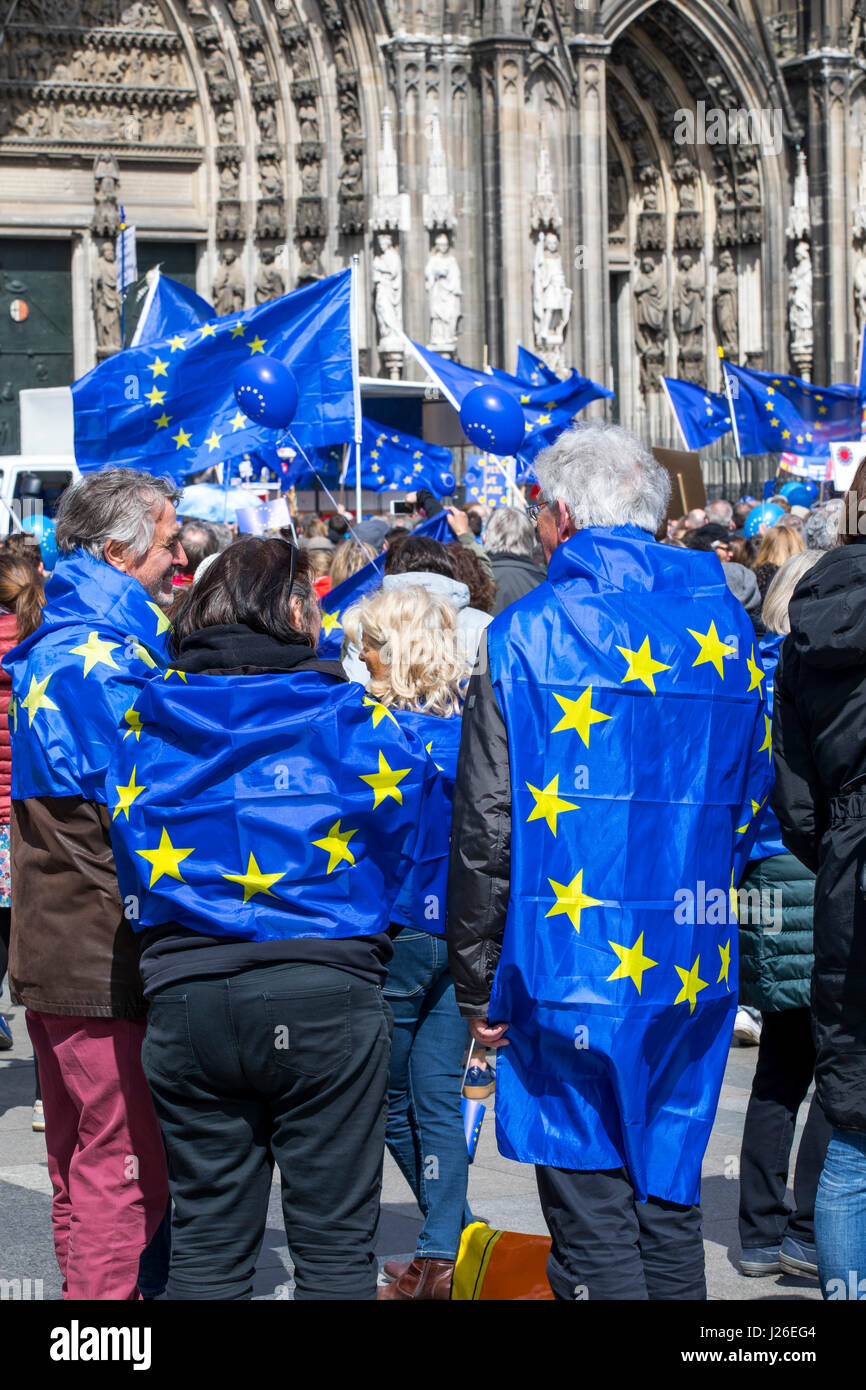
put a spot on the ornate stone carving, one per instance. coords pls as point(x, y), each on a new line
point(310, 218)
point(726, 208)
point(309, 253)
point(650, 317)
point(689, 314)
point(544, 211)
point(650, 221)
point(388, 303)
point(106, 182)
point(269, 278)
point(445, 291)
point(229, 288)
point(230, 220)
point(551, 298)
point(800, 327)
point(390, 206)
point(726, 306)
point(106, 300)
point(438, 203)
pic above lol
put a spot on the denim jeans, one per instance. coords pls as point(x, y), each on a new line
point(840, 1217)
point(425, 1122)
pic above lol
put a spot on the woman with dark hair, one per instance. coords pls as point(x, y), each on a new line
point(468, 569)
point(265, 938)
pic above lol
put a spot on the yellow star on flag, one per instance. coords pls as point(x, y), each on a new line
point(258, 344)
point(178, 342)
point(384, 782)
point(713, 649)
point(238, 421)
point(155, 397)
point(429, 748)
point(524, 400)
point(133, 719)
point(756, 674)
point(173, 671)
point(549, 804)
point(380, 711)
point(163, 621)
point(213, 440)
point(237, 330)
point(96, 652)
point(632, 962)
point(164, 860)
point(641, 665)
point(725, 953)
point(162, 421)
point(543, 420)
point(13, 713)
point(330, 621)
point(182, 438)
point(208, 331)
point(767, 745)
point(692, 985)
point(775, 424)
point(254, 881)
point(336, 843)
point(571, 899)
point(36, 699)
point(578, 714)
point(143, 655)
point(158, 367)
point(127, 796)
point(786, 434)
point(756, 806)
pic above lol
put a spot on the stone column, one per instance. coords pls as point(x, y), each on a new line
point(591, 322)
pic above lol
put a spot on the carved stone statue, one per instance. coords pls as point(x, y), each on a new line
point(388, 291)
point(445, 291)
point(860, 291)
point(689, 312)
point(269, 278)
point(311, 267)
point(551, 298)
point(800, 326)
point(726, 302)
point(229, 289)
point(106, 299)
point(649, 320)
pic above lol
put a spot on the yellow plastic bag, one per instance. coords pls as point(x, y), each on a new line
point(500, 1266)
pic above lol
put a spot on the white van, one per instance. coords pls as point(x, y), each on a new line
point(30, 485)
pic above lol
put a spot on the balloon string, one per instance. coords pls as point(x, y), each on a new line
point(323, 485)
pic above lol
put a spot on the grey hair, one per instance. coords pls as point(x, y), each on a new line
point(119, 504)
point(721, 511)
point(605, 477)
point(510, 530)
point(821, 527)
point(774, 613)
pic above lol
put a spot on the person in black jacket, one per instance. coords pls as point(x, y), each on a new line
point(512, 544)
point(819, 738)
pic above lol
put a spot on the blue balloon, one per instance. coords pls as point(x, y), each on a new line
point(788, 487)
point(44, 530)
point(766, 515)
point(446, 483)
point(267, 392)
point(493, 420)
point(800, 496)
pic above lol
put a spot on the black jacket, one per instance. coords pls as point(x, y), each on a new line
point(819, 740)
point(515, 576)
point(480, 867)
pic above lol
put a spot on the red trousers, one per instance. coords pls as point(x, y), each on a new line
point(105, 1152)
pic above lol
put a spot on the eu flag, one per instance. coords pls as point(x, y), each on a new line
point(169, 307)
point(703, 416)
point(639, 743)
point(269, 807)
point(75, 680)
point(485, 480)
point(363, 582)
point(533, 370)
point(170, 407)
point(391, 460)
point(777, 414)
point(421, 901)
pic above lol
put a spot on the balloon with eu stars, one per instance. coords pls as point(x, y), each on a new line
point(42, 529)
point(267, 392)
point(493, 420)
point(765, 515)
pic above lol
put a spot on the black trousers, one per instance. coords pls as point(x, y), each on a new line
point(290, 1063)
point(606, 1246)
point(786, 1062)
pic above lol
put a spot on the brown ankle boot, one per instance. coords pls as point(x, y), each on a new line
point(424, 1279)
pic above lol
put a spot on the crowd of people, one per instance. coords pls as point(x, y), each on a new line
point(267, 908)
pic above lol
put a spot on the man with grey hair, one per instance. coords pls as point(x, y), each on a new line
point(73, 957)
point(721, 512)
point(613, 745)
point(511, 543)
point(821, 527)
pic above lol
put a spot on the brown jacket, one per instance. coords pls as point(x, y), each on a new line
point(72, 950)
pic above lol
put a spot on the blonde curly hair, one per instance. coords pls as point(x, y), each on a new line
point(415, 634)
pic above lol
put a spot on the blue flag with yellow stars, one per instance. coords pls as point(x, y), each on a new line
point(270, 807)
point(169, 307)
point(169, 406)
point(777, 414)
point(392, 461)
point(639, 742)
point(421, 902)
point(485, 480)
point(363, 582)
point(75, 680)
point(533, 369)
point(703, 416)
point(768, 839)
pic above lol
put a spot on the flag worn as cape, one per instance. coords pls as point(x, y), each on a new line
point(270, 807)
point(422, 899)
point(169, 406)
point(74, 681)
point(638, 740)
point(768, 837)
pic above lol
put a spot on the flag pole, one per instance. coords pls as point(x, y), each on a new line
point(122, 277)
point(734, 426)
point(356, 382)
point(323, 485)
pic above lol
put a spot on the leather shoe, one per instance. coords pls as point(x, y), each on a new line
point(423, 1280)
point(394, 1268)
